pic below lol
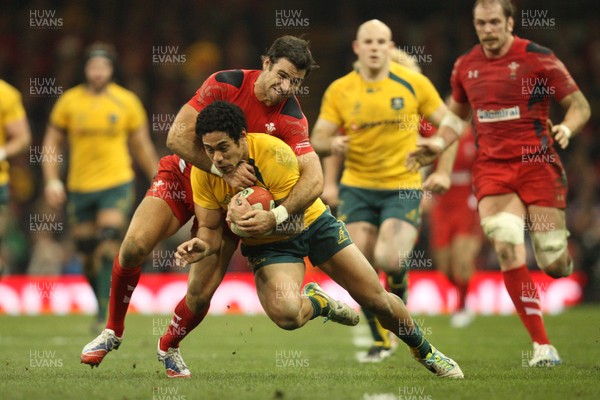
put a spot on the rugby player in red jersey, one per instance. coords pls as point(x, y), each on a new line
point(267, 98)
point(518, 178)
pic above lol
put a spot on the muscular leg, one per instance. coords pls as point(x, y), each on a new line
point(203, 280)
point(464, 250)
point(84, 236)
point(510, 248)
point(549, 238)
point(364, 236)
point(141, 238)
point(394, 246)
point(279, 290)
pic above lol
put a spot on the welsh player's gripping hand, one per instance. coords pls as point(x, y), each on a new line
point(190, 252)
point(249, 220)
point(428, 149)
point(561, 133)
point(241, 177)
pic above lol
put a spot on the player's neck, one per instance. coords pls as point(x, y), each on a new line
point(503, 50)
point(373, 75)
point(96, 91)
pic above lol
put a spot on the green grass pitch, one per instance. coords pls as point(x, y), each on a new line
point(248, 357)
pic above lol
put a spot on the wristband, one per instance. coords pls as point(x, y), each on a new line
point(439, 141)
point(281, 214)
point(567, 130)
point(214, 170)
point(2, 154)
point(55, 184)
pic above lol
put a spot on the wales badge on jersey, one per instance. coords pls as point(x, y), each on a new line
point(397, 103)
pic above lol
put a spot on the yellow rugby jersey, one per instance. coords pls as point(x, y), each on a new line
point(276, 169)
point(382, 120)
point(11, 110)
point(98, 128)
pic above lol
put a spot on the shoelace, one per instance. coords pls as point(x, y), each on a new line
point(443, 362)
point(175, 356)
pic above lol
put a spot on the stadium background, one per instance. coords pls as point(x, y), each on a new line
point(167, 49)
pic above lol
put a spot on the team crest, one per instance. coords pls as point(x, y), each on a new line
point(513, 69)
point(112, 118)
point(397, 103)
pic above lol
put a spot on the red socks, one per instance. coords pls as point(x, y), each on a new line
point(183, 322)
point(123, 283)
point(525, 297)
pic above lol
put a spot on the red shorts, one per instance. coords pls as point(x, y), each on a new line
point(540, 182)
point(453, 215)
point(172, 184)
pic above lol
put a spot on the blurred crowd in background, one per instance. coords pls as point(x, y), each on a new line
point(167, 49)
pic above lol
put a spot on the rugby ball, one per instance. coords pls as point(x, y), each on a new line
point(259, 198)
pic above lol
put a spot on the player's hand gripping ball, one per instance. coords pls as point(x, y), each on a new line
point(259, 199)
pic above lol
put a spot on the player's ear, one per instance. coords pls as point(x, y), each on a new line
point(510, 24)
point(355, 46)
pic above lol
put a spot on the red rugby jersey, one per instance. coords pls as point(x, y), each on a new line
point(510, 97)
point(284, 121)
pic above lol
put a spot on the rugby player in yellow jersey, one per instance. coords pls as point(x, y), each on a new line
point(15, 136)
point(99, 120)
point(378, 107)
point(278, 262)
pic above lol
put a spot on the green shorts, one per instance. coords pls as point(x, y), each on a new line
point(320, 241)
point(4, 195)
point(375, 206)
point(84, 207)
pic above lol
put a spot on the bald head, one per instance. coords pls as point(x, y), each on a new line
point(374, 27)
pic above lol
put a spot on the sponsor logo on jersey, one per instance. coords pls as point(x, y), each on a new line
point(473, 74)
point(397, 103)
point(504, 114)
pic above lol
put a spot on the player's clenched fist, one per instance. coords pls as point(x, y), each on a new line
point(190, 252)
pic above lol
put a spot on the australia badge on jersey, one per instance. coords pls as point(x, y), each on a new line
point(397, 103)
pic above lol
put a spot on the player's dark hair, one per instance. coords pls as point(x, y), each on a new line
point(507, 6)
point(221, 116)
point(294, 49)
point(102, 49)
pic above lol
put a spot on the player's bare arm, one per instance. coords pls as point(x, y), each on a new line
point(452, 125)
point(331, 172)
point(439, 180)
point(325, 141)
point(54, 190)
point(577, 114)
point(143, 151)
point(18, 138)
point(182, 141)
point(207, 240)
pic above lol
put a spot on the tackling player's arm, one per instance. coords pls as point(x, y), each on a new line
point(309, 185)
point(143, 151)
point(52, 146)
point(206, 242)
point(331, 173)
point(182, 141)
point(577, 114)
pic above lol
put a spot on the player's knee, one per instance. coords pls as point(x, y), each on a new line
point(504, 227)
point(133, 251)
point(109, 234)
point(389, 263)
point(551, 252)
point(288, 322)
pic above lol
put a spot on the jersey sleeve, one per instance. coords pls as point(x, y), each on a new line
point(329, 107)
point(295, 134)
point(428, 97)
point(202, 191)
point(558, 76)
point(137, 114)
point(209, 92)
point(59, 116)
point(458, 91)
point(12, 107)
